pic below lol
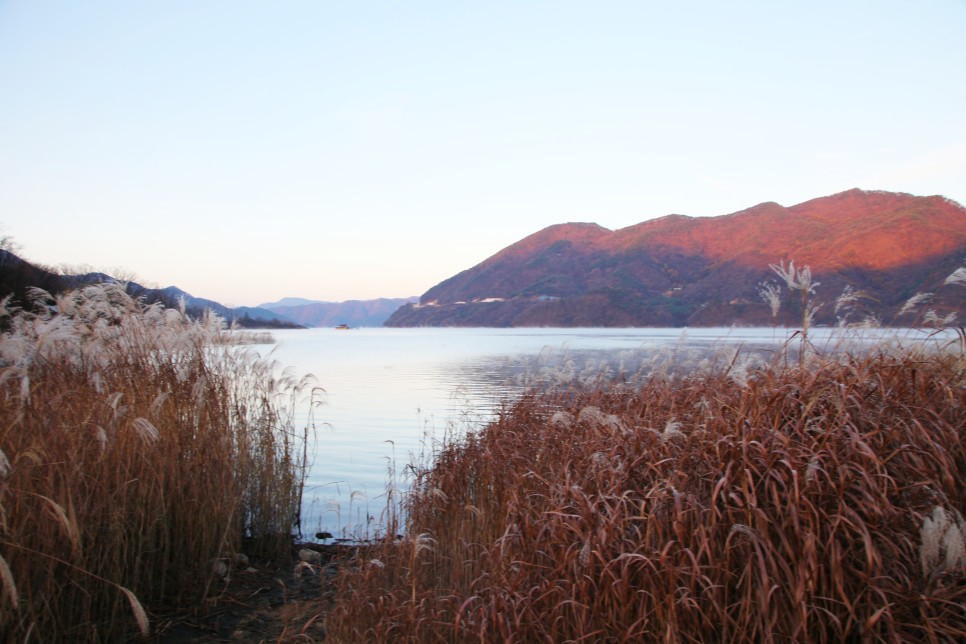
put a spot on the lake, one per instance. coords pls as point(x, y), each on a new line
point(392, 393)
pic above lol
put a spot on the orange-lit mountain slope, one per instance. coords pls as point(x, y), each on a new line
point(679, 270)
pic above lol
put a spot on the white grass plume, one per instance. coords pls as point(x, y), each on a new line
point(8, 584)
point(562, 419)
point(594, 417)
point(146, 431)
point(846, 303)
point(772, 294)
point(139, 613)
point(672, 430)
point(931, 318)
point(958, 276)
point(796, 279)
point(943, 548)
point(915, 302)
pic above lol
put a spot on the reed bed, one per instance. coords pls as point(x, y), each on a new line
point(820, 501)
point(138, 454)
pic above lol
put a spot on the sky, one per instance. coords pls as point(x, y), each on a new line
point(249, 151)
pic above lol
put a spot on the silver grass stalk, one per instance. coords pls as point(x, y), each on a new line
point(101, 437)
point(845, 301)
point(942, 547)
point(870, 321)
point(145, 430)
point(810, 310)
point(931, 318)
point(772, 294)
point(584, 557)
point(8, 584)
point(813, 469)
point(562, 419)
point(914, 302)
point(955, 548)
point(800, 279)
point(592, 416)
point(797, 279)
point(957, 277)
point(7, 308)
point(139, 613)
point(424, 542)
point(672, 430)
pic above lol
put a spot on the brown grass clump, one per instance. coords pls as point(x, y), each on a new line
point(137, 453)
point(814, 503)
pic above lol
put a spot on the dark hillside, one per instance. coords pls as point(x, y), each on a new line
point(18, 276)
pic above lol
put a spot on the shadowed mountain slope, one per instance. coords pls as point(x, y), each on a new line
point(679, 270)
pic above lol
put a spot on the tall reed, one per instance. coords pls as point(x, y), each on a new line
point(138, 452)
point(803, 502)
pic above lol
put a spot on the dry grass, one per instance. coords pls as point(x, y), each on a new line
point(137, 454)
point(821, 502)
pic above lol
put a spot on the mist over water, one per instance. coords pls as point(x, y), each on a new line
point(392, 394)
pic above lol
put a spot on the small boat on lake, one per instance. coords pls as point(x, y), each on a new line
point(342, 327)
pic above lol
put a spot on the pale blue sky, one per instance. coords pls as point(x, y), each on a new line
point(247, 151)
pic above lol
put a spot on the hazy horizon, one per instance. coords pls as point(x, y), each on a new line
point(247, 152)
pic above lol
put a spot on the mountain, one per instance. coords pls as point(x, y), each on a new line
point(708, 271)
point(244, 316)
point(351, 312)
point(289, 301)
point(17, 276)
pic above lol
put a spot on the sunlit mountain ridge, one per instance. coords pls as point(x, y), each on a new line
point(709, 271)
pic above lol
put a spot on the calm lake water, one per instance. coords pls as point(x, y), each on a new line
point(391, 394)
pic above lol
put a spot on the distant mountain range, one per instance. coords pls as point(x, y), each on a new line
point(18, 275)
point(352, 312)
point(709, 271)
